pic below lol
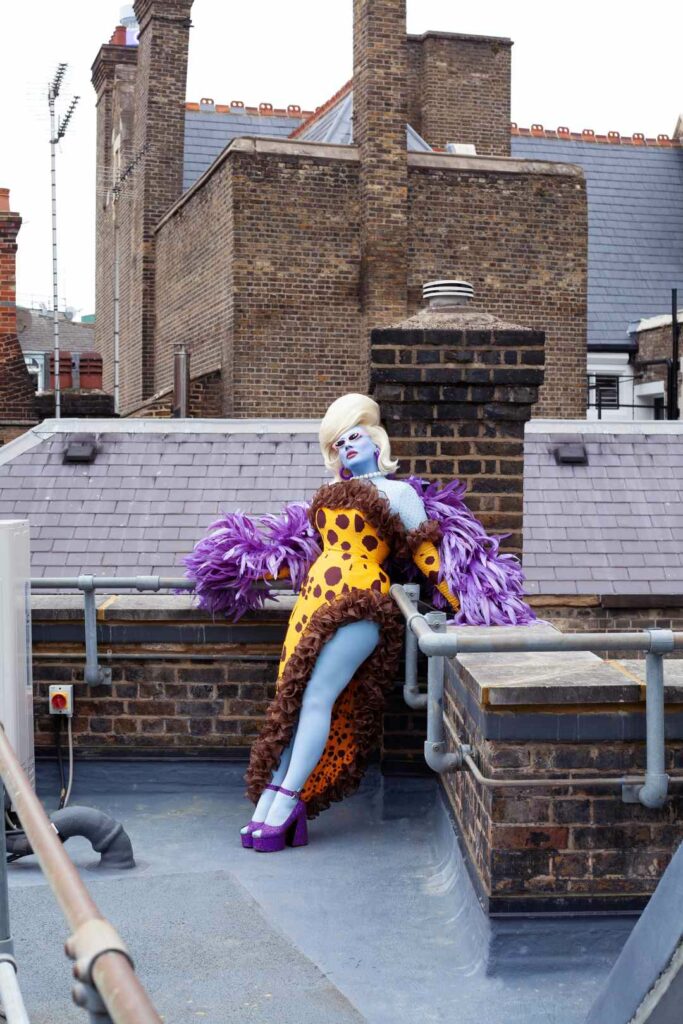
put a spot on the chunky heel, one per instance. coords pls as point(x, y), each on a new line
point(298, 835)
point(293, 831)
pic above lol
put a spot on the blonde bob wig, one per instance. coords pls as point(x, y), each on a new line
point(344, 414)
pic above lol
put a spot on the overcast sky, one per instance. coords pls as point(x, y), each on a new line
point(597, 64)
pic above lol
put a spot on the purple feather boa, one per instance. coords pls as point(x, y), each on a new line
point(489, 584)
point(230, 564)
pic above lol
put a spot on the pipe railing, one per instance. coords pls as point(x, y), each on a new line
point(96, 674)
point(106, 984)
point(428, 634)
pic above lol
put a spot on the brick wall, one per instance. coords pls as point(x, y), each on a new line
point(656, 344)
point(206, 400)
point(159, 131)
point(591, 613)
point(454, 403)
point(567, 848)
point(270, 243)
point(76, 404)
point(463, 87)
point(113, 77)
point(380, 110)
point(17, 394)
point(203, 691)
point(521, 239)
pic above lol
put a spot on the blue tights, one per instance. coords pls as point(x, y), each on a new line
point(337, 663)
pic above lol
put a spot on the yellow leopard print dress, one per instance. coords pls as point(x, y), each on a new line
point(346, 583)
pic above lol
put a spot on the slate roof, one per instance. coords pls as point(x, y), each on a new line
point(614, 526)
point(154, 488)
point(635, 227)
point(36, 333)
point(207, 133)
point(334, 124)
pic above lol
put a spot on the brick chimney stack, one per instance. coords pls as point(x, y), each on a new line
point(380, 74)
point(160, 87)
point(17, 394)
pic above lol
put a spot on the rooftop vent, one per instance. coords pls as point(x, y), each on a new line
point(447, 293)
point(571, 455)
point(82, 448)
point(461, 148)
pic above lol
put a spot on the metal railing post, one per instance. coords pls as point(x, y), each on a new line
point(411, 692)
point(95, 674)
point(436, 755)
point(654, 792)
point(432, 640)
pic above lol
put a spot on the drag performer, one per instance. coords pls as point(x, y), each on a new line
point(344, 639)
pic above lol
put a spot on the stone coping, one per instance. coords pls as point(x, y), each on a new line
point(559, 680)
point(145, 607)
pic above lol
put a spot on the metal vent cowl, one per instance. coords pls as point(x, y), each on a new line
point(447, 293)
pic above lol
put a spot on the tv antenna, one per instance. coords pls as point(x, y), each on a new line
point(58, 129)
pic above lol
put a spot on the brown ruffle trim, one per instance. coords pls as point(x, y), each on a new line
point(374, 679)
point(429, 530)
point(371, 502)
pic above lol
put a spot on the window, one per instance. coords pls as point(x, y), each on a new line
point(658, 407)
point(35, 364)
point(606, 391)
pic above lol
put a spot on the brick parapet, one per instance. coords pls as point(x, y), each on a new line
point(202, 691)
point(572, 849)
point(455, 403)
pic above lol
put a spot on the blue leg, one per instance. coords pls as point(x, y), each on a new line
point(277, 779)
point(337, 663)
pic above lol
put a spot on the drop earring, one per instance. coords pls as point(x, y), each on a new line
point(345, 473)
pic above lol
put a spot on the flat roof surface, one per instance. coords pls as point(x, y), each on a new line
point(374, 921)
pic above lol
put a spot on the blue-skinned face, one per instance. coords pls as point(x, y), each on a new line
point(357, 451)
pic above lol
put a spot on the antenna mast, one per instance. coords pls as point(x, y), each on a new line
point(57, 133)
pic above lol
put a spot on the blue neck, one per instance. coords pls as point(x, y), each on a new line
point(366, 466)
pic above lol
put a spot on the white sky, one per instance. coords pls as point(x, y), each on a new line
point(598, 64)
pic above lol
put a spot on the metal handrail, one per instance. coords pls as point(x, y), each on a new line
point(103, 968)
point(429, 631)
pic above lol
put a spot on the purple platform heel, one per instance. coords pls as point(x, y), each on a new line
point(293, 831)
point(247, 841)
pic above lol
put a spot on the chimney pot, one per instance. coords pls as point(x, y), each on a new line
point(4, 200)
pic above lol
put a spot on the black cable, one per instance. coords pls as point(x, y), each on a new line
point(60, 762)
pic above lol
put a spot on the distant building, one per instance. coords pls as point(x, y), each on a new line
point(80, 364)
point(26, 352)
point(255, 236)
point(269, 244)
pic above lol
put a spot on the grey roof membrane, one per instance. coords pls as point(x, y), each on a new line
point(614, 526)
point(207, 133)
point(151, 493)
point(635, 227)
